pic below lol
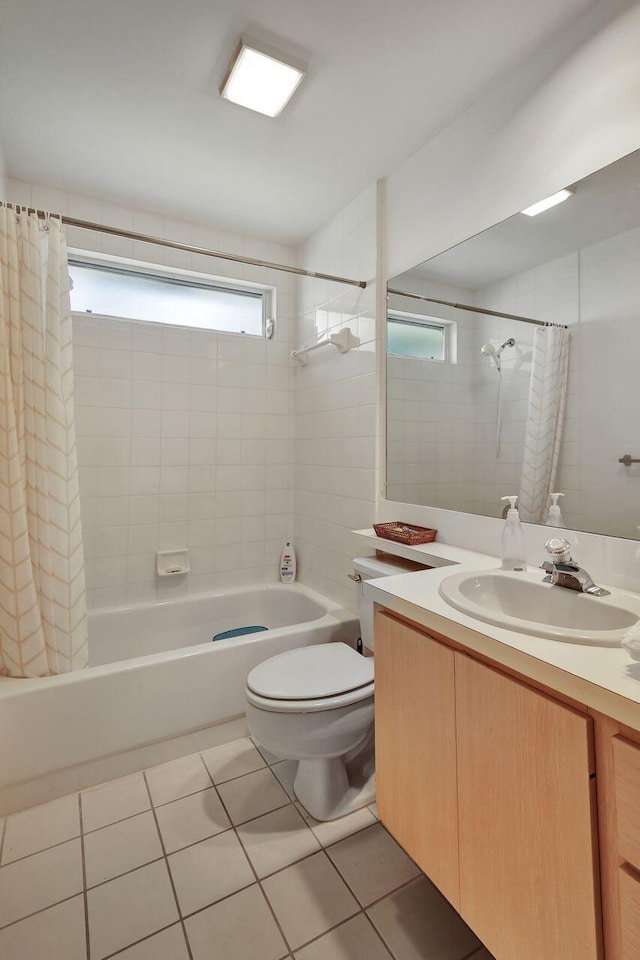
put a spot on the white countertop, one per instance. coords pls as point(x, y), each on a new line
point(603, 678)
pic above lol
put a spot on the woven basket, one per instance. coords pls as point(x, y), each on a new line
point(405, 533)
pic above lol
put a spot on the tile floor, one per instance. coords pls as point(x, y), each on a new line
point(209, 857)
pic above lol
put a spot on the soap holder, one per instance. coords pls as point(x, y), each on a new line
point(172, 563)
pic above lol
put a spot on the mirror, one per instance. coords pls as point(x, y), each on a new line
point(513, 365)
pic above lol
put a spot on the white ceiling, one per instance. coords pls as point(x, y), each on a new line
point(120, 99)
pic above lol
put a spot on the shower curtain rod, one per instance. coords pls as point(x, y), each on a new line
point(187, 247)
point(465, 306)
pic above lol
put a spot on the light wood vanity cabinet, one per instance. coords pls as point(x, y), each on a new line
point(516, 849)
point(618, 780)
point(526, 812)
point(416, 749)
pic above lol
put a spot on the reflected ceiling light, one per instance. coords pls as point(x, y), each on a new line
point(548, 202)
point(260, 81)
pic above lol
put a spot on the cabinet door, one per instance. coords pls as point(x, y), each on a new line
point(415, 748)
point(526, 826)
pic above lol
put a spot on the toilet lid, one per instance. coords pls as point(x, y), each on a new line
point(323, 670)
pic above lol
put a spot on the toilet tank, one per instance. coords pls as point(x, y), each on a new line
point(370, 568)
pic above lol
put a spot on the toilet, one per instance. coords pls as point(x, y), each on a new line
point(315, 705)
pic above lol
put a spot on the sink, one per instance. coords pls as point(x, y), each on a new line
point(522, 602)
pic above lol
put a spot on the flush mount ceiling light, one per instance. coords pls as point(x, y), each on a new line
point(548, 202)
point(260, 81)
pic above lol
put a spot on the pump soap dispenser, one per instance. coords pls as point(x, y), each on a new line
point(554, 517)
point(513, 546)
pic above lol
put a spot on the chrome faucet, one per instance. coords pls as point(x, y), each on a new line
point(563, 571)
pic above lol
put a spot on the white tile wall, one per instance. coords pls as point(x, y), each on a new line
point(335, 402)
point(184, 436)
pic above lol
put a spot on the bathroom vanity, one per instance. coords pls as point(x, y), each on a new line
point(508, 767)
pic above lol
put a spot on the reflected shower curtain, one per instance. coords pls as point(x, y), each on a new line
point(547, 393)
point(43, 619)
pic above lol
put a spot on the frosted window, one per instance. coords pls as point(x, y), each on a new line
point(410, 338)
point(180, 302)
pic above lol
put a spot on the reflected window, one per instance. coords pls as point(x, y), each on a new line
point(157, 296)
point(423, 338)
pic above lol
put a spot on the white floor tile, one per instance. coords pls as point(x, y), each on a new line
point(331, 831)
point(208, 871)
point(41, 827)
point(40, 881)
point(417, 922)
point(125, 910)
point(230, 760)
point(176, 779)
point(240, 928)
point(191, 819)
point(285, 771)
point(252, 795)
point(121, 847)
point(113, 801)
point(354, 940)
point(266, 754)
point(167, 945)
point(58, 933)
point(277, 839)
point(372, 863)
point(309, 898)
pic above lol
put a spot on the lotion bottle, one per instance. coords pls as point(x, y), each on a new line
point(554, 517)
point(288, 563)
point(513, 545)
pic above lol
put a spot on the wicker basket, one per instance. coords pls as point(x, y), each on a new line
point(405, 533)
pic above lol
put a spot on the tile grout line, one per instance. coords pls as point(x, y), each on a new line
point(52, 846)
point(248, 859)
point(234, 827)
point(135, 943)
point(3, 834)
point(85, 895)
point(378, 934)
point(125, 873)
point(166, 860)
point(323, 849)
point(113, 823)
point(34, 913)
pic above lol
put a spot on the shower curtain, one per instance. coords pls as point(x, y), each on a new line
point(43, 619)
point(545, 415)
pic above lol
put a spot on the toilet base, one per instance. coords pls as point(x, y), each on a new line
point(332, 788)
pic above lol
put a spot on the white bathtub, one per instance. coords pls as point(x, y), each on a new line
point(156, 688)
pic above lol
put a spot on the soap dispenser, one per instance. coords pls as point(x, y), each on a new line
point(513, 546)
point(554, 517)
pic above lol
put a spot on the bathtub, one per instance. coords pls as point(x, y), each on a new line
point(157, 687)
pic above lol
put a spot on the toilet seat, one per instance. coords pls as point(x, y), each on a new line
point(311, 673)
point(324, 676)
point(310, 706)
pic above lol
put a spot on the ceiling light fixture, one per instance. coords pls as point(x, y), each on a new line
point(548, 202)
point(260, 81)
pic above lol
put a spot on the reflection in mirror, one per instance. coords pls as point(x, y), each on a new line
point(512, 365)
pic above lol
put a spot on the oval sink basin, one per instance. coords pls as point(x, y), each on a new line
point(516, 602)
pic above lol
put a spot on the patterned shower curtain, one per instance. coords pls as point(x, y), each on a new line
point(547, 393)
point(43, 619)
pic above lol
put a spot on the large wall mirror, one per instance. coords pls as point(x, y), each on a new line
point(513, 364)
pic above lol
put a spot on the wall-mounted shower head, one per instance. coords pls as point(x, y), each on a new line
point(488, 350)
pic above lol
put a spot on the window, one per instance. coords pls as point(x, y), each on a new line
point(180, 298)
point(425, 338)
